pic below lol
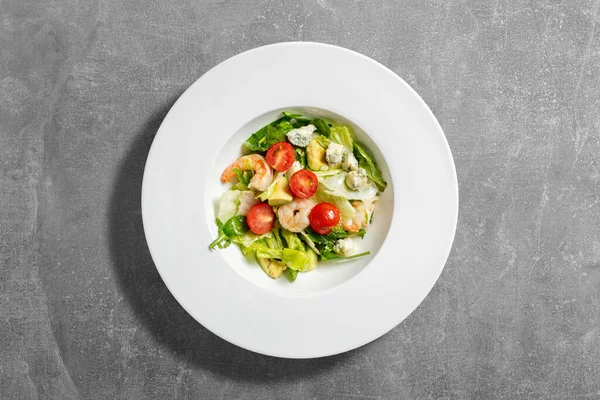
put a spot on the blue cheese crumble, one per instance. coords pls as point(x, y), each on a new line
point(357, 180)
point(302, 136)
point(334, 154)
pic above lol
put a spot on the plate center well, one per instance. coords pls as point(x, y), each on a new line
point(328, 274)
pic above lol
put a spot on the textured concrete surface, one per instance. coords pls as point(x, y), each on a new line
point(84, 84)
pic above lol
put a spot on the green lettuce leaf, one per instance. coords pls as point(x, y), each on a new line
point(235, 226)
point(249, 238)
point(336, 185)
point(366, 161)
point(329, 172)
point(295, 259)
point(322, 126)
point(292, 240)
point(228, 204)
point(341, 135)
point(268, 135)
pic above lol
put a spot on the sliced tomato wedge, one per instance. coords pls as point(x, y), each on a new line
point(280, 156)
point(323, 217)
point(304, 183)
point(261, 218)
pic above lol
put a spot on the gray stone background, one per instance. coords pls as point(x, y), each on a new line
point(84, 85)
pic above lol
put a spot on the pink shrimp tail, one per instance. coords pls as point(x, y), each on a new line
point(228, 174)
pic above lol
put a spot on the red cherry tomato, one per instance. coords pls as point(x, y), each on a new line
point(323, 217)
point(260, 218)
point(304, 183)
point(280, 156)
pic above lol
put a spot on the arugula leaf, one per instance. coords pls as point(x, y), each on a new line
point(331, 237)
point(300, 154)
point(365, 160)
point(325, 243)
point(222, 240)
point(330, 255)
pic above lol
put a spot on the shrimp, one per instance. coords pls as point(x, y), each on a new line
point(263, 174)
point(294, 216)
point(362, 214)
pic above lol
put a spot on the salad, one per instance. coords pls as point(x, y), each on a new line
point(304, 192)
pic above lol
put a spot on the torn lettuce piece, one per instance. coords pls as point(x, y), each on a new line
point(298, 260)
point(335, 185)
point(366, 161)
point(343, 204)
point(234, 202)
point(228, 204)
point(341, 135)
point(248, 239)
point(292, 240)
point(329, 172)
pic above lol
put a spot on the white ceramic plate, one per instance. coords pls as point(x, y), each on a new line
point(338, 306)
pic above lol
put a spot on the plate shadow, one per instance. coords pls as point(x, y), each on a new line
point(155, 307)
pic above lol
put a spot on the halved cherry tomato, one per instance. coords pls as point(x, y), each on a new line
point(323, 217)
point(304, 183)
point(280, 156)
point(260, 218)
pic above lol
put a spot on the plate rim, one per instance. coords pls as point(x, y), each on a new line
point(161, 132)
